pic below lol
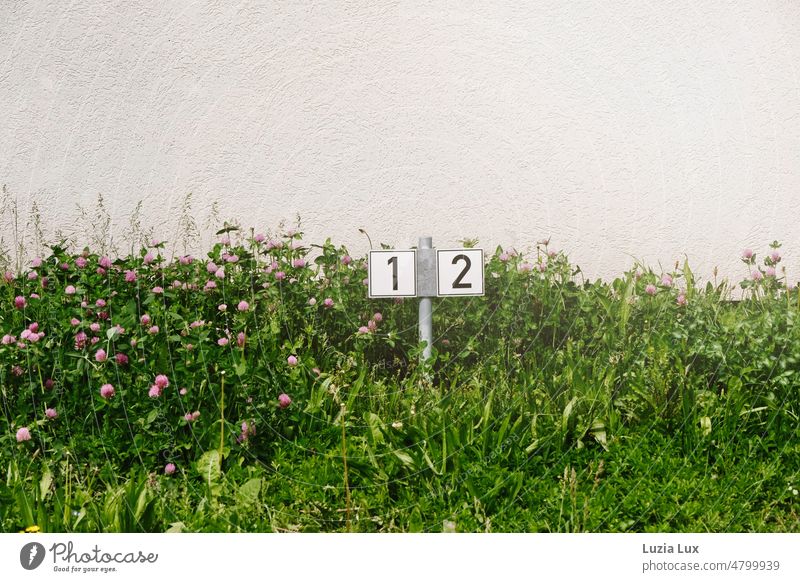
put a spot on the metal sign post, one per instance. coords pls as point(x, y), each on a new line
point(426, 273)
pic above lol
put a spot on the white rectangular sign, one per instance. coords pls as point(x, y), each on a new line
point(392, 273)
point(459, 272)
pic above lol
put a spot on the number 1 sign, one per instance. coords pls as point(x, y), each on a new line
point(392, 273)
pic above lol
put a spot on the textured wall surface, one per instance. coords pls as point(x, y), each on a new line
point(624, 129)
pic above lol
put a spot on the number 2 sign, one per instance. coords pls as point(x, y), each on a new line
point(392, 273)
point(459, 272)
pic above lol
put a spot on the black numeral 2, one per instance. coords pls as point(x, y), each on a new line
point(457, 284)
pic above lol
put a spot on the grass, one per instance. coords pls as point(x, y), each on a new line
point(552, 404)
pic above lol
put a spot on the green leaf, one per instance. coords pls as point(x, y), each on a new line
point(208, 467)
point(248, 492)
point(405, 458)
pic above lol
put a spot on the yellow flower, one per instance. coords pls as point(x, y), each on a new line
point(32, 529)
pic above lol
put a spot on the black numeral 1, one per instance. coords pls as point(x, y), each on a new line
point(393, 263)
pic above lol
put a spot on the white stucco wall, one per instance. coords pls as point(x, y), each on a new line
point(629, 128)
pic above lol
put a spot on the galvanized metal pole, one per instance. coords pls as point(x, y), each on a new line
point(426, 259)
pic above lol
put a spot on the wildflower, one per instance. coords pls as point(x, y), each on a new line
point(666, 281)
point(291, 360)
point(105, 262)
point(222, 307)
point(34, 296)
point(81, 262)
point(775, 256)
point(240, 339)
point(372, 325)
point(100, 271)
point(747, 254)
point(19, 302)
point(101, 355)
point(328, 302)
point(525, 267)
point(145, 319)
point(280, 275)
point(48, 384)
point(312, 301)
point(220, 273)
point(23, 434)
point(226, 240)
point(316, 371)
point(122, 359)
point(232, 258)
point(158, 290)
point(770, 271)
point(363, 330)
point(94, 340)
point(378, 316)
point(757, 275)
point(44, 281)
point(211, 267)
point(153, 330)
point(69, 290)
point(210, 285)
point(197, 323)
point(51, 413)
point(130, 276)
point(95, 327)
point(182, 391)
point(32, 275)
point(284, 400)
point(100, 303)
point(154, 391)
point(365, 281)
point(681, 300)
point(162, 381)
point(17, 371)
point(299, 263)
point(504, 257)
point(80, 340)
point(107, 391)
point(75, 321)
point(64, 266)
point(36, 262)
point(259, 237)
point(223, 341)
point(188, 417)
point(8, 339)
point(169, 469)
point(186, 260)
point(650, 289)
point(346, 260)
point(243, 306)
